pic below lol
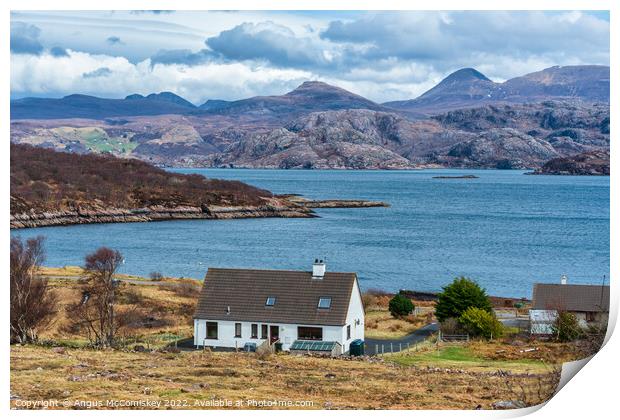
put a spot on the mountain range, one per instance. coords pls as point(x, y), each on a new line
point(466, 120)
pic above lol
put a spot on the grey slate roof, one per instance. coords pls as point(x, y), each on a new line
point(571, 297)
point(297, 296)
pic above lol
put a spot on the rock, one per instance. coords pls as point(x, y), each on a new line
point(330, 375)
point(139, 348)
point(508, 405)
point(596, 162)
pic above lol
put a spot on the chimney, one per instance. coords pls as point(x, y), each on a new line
point(564, 279)
point(318, 269)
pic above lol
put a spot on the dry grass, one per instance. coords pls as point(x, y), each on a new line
point(88, 375)
point(380, 324)
point(164, 310)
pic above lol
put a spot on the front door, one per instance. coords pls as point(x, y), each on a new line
point(274, 333)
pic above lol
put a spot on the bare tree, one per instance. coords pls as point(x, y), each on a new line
point(95, 311)
point(32, 303)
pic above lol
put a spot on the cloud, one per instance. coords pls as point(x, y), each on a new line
point(49, 76)
point(155, 12)
point(25, 39)
point(100, 72)
point(183, 56)
point(59, 52)
point(381, 55)
point(269, 42)
point(114, 40)
point(451, 39)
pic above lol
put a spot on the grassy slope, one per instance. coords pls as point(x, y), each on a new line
point(42, 373)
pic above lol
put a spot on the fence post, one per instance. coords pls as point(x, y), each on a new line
point(382, 348)
point(400, 346)
point(391, 347)
point(376, 349)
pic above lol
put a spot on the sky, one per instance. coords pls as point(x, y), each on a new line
point(232, 55)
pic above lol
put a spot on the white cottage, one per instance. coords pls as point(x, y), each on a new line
point(239, 306)
point(589, 303)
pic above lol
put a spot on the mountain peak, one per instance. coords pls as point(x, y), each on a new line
point(311, 86)
point(171, 97)
point(465, 75)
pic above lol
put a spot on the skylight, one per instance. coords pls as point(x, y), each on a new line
point(325, 302)
point(271, 300)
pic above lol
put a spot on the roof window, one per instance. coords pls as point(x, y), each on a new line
point(325, 302)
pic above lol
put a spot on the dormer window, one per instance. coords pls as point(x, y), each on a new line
point(271, 300)
point(325, 302)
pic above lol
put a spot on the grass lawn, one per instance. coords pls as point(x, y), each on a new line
point(463, 357)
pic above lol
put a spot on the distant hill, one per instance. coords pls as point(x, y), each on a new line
point(164, 97)
point(311, 96)
point(214, 104)
point(85, 106)
point(468, 87)
point(589, 83)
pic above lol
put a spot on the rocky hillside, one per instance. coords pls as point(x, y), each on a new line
point(492, 136)
point(595, 162)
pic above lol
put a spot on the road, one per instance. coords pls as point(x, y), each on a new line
point(419, 335)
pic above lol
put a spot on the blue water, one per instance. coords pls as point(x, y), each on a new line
point(506, 230)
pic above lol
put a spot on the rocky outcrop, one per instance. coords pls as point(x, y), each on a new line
point(291, 206)
point(351, 139)
point(502, 149)
point(595, 162)
point(150, 214)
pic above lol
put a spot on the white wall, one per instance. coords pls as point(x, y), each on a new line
point(354, 313)
point(226, 333)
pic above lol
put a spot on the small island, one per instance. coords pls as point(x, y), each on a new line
point(455, 177)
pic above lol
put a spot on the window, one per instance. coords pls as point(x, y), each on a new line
point(211, 330)
point(348, 332)
point(310, 333)
point(271, 300)
point(254, 331)
point(238, 329)
point(263, 331)
point(325, 302)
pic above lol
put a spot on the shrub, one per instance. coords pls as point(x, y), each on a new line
point(458, 296)
point(566, 327)
point(156, 276)
point(400, 306)
point(481, 323)
point(32, 303)
point(451, 326)
point(369, 301)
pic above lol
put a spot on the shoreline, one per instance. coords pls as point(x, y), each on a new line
point(292, 207)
